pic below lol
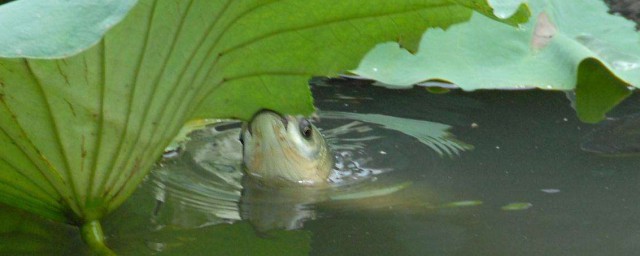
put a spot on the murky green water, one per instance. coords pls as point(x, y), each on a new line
point(525, 189)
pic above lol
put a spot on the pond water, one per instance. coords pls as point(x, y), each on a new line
point(526, 188)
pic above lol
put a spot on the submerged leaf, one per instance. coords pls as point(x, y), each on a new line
point(371, 192)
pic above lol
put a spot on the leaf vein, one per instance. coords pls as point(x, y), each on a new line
point(321, 24)
point(57, 135)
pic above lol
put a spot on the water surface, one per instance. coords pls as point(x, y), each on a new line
point(526, 188)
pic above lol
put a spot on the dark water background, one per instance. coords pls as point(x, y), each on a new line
point(526, 143)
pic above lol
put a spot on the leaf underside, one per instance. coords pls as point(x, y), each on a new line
point(78, 134)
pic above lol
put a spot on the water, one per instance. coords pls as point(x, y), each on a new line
point(526, 145)
point(525, 189)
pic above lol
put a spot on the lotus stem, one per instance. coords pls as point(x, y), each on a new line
point(93, 236)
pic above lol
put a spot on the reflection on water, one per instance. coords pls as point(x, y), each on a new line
point(527, 187)
point(616, 137)
point(22, 233)
point(204, 184)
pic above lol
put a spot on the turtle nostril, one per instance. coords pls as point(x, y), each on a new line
point(285, 122)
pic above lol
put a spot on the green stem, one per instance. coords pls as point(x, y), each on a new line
point(93, 236)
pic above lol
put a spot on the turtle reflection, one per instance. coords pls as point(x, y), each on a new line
point(204, 184)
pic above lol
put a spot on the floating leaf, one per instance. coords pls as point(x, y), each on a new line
point(507, 8)
point(56, 28)
point(597, 91)
point(557, 49)
point(462, 204)
point(516, 206)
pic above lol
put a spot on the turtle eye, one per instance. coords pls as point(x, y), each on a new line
point(305, 129)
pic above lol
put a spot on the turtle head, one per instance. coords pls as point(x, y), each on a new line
point(286, 148)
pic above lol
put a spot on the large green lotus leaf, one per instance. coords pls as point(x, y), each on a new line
point(547, 52)
point(78, 134)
